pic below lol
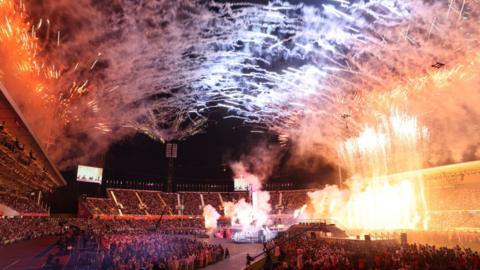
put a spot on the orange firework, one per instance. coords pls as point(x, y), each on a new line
point(19, 48)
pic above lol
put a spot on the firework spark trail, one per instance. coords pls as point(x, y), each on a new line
point(291, 69)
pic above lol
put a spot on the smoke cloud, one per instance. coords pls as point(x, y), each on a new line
point(315, 75)
point(211, 217)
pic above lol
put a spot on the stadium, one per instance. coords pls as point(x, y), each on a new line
point(223, 134)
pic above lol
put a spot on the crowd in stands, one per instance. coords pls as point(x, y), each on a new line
point(100, 206)
point(304, 253)
point(152, 202)
point(448, 199)
point(192, 203)
point(454, 220)
point(20, 204)
point(292, 200)
point(274, 199)
point(171, 199)
point(454, 208)
point(21, 228)
point(137, 202)
point(128, 201)
point(20, 164)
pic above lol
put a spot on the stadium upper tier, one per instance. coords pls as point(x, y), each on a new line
point(125, 202)
point(24, 165)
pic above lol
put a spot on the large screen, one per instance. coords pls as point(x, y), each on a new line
point(89, 174)
point(240, 184)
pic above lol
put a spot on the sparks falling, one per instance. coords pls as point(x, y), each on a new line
point(20, 48)
point(293, 70)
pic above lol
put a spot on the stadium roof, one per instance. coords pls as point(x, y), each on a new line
point(24, 164)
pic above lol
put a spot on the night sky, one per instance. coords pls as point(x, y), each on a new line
point(203, 158)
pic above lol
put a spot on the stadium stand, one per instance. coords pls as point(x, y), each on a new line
point(293, 199)
point(275, 200)
point(152, 203)
point(191, 203)
point(100, 206)
point(446, 214)
point(21, 204)
point(16, 229)
point(171, 200)
point(447, 198)
point(127, 200)
point(25, 169)
point(454, 207)
point(24, 166)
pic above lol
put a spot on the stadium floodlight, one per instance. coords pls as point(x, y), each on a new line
point(171, 150)
point(171, 154)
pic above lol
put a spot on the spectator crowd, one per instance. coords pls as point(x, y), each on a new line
point(153, 250)
point(305, 253)
point(24, 228)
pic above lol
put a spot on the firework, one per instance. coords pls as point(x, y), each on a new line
point(289, 69)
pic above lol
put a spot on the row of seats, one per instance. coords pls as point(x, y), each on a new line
point(464, 198)
point(19, 165)
point(138, 202)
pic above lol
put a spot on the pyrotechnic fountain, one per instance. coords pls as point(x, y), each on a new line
point(249, 218)
point(373, 200)
point(289, 69)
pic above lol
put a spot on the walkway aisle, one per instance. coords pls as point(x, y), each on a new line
point(238, 254)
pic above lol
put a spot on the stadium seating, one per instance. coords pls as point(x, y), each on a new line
point(20, 228)
point(20, 166)
point(127, 201)
point(446, 214)
point(171, 200)
point(448, 199)
point(21, 204)
point(152, 203)
point(274, 199)
point(100, 206)
point(192, 203)
point(294, 199)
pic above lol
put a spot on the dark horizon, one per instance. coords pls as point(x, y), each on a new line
point(202, 159)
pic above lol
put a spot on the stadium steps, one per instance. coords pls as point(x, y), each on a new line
point(201, 200)
point(165, 204)
point(141, 206)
